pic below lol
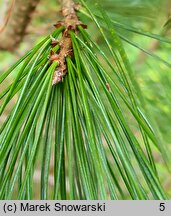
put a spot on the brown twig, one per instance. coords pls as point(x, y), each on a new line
point(7, 16)
point(70, 22)
point(19, 19)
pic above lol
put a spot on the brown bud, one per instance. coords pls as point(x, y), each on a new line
point(108, 87)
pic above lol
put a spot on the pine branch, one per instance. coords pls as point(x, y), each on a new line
point(68, 7)
point(70, 22)
point(15, 30)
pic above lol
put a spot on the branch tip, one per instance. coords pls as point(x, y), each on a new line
point(70, 23)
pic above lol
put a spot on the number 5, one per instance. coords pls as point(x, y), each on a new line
point(162, 206)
